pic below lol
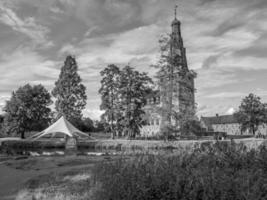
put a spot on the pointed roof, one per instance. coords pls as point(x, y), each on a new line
point(175, 21)
point(61, 126)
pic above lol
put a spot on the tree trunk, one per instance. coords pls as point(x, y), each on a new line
point(22, 135)
point(253, 130)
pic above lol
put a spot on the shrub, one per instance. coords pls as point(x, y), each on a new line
point(220, 171)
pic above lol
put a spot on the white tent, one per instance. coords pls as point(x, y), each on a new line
point(61, 126)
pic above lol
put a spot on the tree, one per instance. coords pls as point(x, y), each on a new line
point(132, 91)
point(252, 113)
point(27, 110)
point(110, 96)
point(100, 126)
point(1, 125)
point(191, 127)
point(85, 124)
point(69, 91)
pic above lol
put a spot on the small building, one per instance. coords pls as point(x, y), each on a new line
point(228, 124)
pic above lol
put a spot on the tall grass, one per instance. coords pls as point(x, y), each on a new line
point(219, 171)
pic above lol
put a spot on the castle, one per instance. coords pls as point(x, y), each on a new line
point(176, 92)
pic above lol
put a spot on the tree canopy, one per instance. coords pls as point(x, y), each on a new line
point(252, 113)
point(69, 91)
point(27, 110)
point(123, 97)
point(109, 92)
point(134, 87)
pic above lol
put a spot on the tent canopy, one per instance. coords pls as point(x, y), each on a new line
point(61, 126)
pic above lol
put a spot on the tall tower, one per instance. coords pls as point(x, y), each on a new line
point(179, 96)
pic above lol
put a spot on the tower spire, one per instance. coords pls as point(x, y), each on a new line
point(175, 11)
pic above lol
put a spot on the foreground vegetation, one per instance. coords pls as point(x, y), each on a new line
point(222, 171)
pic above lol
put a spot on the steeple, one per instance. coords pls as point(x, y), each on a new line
point(176, 47)
point(175, 23)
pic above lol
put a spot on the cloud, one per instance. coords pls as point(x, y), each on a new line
point(212, 78)
point(225, 95)
point(210, 61)
point(94, 114)
point(27, 26)
point(227, 26)
point(257, 49)
point(230, 111)
point(203, 2)
point(225, 43)
point(25, 66)
point(56, 10)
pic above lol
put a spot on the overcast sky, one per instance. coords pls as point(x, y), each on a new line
point(226, 43)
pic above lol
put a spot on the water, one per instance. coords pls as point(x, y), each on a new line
point(56, 152)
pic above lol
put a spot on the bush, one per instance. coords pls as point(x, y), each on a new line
point(221, 171)
point(157, 137)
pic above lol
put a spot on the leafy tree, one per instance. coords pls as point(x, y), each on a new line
point(69, 91)
point(100, 126)
point(110, 97)
point(1, 125)
point(27, 110)
point(252, 113)
point(191, 126)
point(84, 124)
point(88, 124)
point(133, 89)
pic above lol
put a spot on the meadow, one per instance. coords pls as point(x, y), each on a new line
point(210, 171)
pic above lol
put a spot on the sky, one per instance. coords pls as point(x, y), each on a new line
point(226, 42)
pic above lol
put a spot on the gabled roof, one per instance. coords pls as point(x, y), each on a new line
point(223, 119)
point(61, 126)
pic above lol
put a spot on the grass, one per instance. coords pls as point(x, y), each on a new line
point(223, 171)
point(74, 182)
point(110, 146)
point(74, 185)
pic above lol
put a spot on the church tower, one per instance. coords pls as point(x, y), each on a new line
point(178, 97)
point(174, 101)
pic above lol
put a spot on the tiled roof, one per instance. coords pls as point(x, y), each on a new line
point(223, 119)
